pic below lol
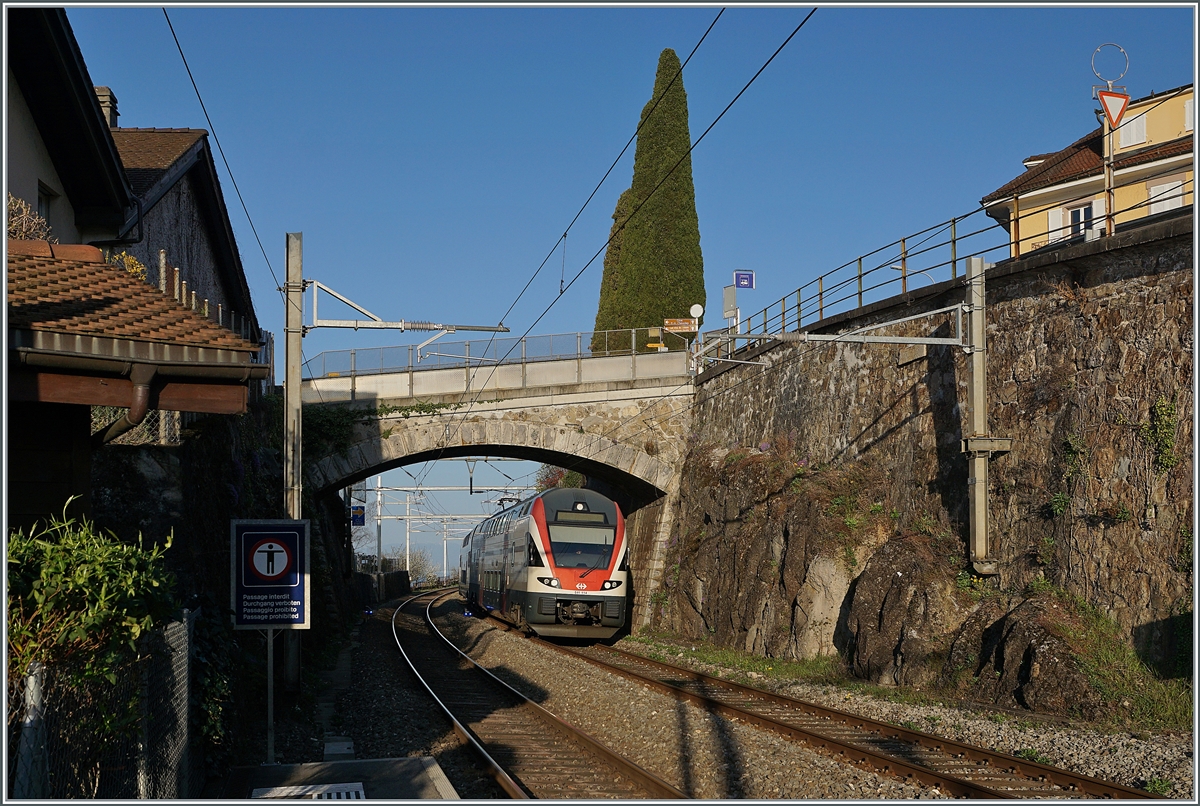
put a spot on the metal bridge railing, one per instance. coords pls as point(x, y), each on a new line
point(933, 255)
point(487, 352)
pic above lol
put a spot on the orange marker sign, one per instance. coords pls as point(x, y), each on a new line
point(1114, 104)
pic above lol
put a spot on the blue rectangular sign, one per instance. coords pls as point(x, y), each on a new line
point(743, 278)
point(358, 515)
point(270, 574)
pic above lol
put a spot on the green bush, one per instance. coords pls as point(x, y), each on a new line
point(1030, 754)
point(1159, 434)
point(1159, 786)
point(79, 599)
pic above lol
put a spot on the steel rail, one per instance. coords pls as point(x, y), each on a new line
point(988, 769)
point(844, 734)
point(544, 756)
point(497, 772)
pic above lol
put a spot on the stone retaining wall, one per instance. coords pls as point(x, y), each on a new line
point(1089, 372)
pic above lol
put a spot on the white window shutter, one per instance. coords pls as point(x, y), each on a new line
point(1133, 131)
point(1098, 222)
point(1167, 196)
point(1189, 112)
point(1054, 230)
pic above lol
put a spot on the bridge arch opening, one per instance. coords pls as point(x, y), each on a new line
point(629, 491)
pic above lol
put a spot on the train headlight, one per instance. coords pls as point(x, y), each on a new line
point(610, 584)
point(549, 581)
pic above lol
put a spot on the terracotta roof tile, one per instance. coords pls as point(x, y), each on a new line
point(1083, 158)
point(68, 288)
point(1084, 155)
point(1159, 152)
point(154, 148)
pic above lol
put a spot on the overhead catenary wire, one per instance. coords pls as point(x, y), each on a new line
point(634, 212)
point(751, 377)
point(641, 204)
point(611, 167)
point(800, 354)
point(656, 422)
point(228, 169)
point(221, 150)
point(932, 232)
point(641, 124)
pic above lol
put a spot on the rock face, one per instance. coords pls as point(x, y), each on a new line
point(1008, 653)
point(903, 611)
point(834, 518)
point(766, 549)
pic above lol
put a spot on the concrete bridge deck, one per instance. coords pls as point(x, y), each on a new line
point(392, 375)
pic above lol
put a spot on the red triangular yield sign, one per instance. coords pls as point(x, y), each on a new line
point(1114, 104)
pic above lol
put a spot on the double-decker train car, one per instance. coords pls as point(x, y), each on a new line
point(555, 563)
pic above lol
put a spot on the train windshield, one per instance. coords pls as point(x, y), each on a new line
point(581, 546)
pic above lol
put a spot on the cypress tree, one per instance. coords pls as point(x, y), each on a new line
point(608, 315)
point(659, 270)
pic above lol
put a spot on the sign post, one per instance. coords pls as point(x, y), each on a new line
point(681, 325)
point(269, 588)
point(1114, 104)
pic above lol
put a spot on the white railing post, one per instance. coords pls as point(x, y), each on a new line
point(32, 776)
point(633, 354)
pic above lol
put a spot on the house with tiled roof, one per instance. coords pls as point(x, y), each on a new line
point(1060, 197)
point(82, 333)
point(62, 160)
point(93, 350)
point(186, 223)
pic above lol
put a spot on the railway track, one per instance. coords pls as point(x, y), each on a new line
point(531, 753)
point(955, 768)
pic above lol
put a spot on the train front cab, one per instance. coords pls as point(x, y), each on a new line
point(575, 557)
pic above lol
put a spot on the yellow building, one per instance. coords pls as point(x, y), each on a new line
point(1061, 197)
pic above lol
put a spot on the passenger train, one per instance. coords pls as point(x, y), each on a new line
point(556, 563)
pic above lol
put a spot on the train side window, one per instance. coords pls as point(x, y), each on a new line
point(535, 559)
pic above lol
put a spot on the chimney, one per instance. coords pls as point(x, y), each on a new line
point(108, 105)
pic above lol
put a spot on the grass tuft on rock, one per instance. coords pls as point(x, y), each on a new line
point(1137, 695)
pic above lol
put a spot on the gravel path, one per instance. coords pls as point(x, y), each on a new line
point(387, 714)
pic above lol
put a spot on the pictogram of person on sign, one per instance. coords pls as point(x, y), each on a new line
point(269, 551)
point(272, 561)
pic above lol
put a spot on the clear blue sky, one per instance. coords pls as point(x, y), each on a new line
point(432, 157)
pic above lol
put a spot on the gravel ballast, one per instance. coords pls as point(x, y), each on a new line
point(387, 713)
point(1132, 759)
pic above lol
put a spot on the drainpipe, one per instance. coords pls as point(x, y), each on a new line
point(141, 375)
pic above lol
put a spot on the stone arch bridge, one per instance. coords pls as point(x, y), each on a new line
point(622, 421)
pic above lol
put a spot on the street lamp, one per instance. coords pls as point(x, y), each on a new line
point(911, 273)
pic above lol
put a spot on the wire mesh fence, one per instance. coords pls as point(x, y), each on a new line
point(158, 427)
point(128, 737)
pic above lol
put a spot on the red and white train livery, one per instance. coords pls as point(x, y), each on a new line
point(555, 563)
